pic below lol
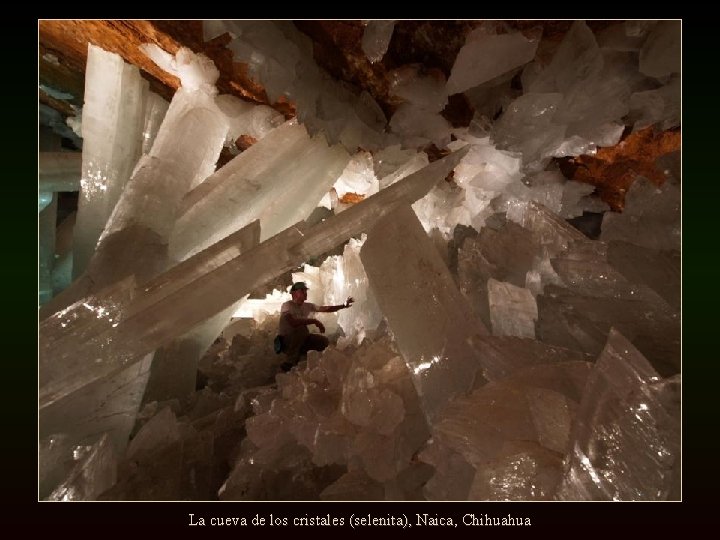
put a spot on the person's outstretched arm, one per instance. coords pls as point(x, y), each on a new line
point(331, 309)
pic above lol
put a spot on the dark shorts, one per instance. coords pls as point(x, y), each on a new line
point(300, 342)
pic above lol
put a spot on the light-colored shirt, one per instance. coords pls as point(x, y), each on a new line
point(299, 312)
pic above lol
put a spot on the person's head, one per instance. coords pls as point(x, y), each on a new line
point(298, 291)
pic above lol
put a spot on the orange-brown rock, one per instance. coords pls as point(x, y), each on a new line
point(613, 170)
point(351, 198)
point(337, 48)
point(68, 40)
point(244, 142)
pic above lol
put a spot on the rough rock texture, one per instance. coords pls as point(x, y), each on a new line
point(614, 169)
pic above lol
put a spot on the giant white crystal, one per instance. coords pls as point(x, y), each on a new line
point(429, 318)
point(278, 180)
point(112, 125)
point(159, 315)
point(577, 58)
point(94, 471)
point(660, 106)
point(345, 276)
point(280, 57)
point(392, 163)
point(245, 118)
point(527, 127)
point(155, 110)
point(423, 90)
point(46, 249)
point(594, 296)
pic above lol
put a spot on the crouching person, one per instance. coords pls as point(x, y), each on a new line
point(295, 317)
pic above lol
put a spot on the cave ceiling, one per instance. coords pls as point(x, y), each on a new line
point(432, 45)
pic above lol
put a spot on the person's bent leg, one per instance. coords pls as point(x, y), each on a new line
point(314, 342)
point(294, 344)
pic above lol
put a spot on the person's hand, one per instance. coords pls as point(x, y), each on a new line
point(349, 301)
point(320, 326)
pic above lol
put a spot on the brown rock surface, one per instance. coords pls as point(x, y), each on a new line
point(614, 169)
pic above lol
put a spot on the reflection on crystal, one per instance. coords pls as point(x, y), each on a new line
point(408, 277)
point(93, 473)
point(625, 442)
point(258, 178)
point(509, 432)
point(376, 38)
point(112, 124)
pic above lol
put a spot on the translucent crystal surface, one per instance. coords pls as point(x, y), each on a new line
point(408, 277)
point(651, 217)
point(59, 171)
point(625, 443)
point(112, 127)
point(513, 310)
point(511, 434)
point(156, 316)
point(94, 471)
point(486, 56)
point(376, 38)
point(254, 186)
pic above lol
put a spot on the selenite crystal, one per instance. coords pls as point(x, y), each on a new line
point(353, 411)
point(156, 316)
point(280, 57)
point(46, 248)
point(376, 39)
point(155, 110)
point(408, 277)
point(94, 471)
point(486, 56)
point(392, 163)
point(113, 123)
point(345, 276)
point(254, 186)
point(513, 310)
point(157, 377)
point(245, 118)
point(660, 106)
point(594, 296)
point(651, 217)
point(625, 441)
point(512, 433)
point(135, 237)
point(660, 54)
point(59, 171)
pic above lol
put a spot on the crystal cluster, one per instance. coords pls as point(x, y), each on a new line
point(344, 427)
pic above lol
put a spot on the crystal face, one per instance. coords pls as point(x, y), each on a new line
point(493, 351)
